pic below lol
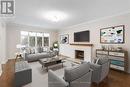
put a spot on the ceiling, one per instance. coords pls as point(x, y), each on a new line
point(30, 12)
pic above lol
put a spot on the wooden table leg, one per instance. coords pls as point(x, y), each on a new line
point(47, 69)
point(62, 64)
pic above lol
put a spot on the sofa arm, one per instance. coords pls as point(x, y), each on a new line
point(55, 81)
point(25, 56)
point(96, 75)
point(83, 81)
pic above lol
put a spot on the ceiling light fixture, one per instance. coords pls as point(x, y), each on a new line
point(55, 16)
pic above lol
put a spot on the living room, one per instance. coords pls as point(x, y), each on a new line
point(75, 36)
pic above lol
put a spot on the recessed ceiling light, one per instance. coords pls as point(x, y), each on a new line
point(55, 16)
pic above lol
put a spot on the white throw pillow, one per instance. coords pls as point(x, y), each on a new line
point(97, 60)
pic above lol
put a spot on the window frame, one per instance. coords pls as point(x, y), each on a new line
point(28, 37)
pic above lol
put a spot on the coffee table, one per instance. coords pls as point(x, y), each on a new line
point(46, 62)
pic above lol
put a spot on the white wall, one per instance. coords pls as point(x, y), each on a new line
point(13, 36)
point(94, 28)
point(2, 44)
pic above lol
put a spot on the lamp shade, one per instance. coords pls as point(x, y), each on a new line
point(55, 44)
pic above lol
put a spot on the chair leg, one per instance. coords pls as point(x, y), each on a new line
point(62, 65)
point(107, 78)
point(98, 84)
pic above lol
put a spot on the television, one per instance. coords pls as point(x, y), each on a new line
point(83, 36)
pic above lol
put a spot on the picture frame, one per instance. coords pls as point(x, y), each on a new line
point(112, 35)
point(64, 39)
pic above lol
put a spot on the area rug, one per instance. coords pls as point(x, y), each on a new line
point(40, 75)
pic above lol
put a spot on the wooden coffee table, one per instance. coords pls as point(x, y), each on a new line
point(46, 62)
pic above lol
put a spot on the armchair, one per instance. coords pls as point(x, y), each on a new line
point(77, 76)
point(55, 81)
point(100, 70)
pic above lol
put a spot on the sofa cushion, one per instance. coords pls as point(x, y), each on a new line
point(76, 72)
point(28, 50)
point(38, 50)
point(46, 49)
point(38, 55)
point(32, 51)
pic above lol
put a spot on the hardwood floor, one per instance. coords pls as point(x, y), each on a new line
point(7, 77)
point(115, 78)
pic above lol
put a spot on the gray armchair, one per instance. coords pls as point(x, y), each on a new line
point(55, 81)
point(77, 76)
point(100, 70)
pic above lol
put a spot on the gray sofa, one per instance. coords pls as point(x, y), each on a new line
point(100, 70)
point(77, 76)
point(37, 56)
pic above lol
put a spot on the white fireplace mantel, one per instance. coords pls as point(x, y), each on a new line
point(87, 52)
point(69, 50)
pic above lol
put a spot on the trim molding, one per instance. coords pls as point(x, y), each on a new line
point(0, 69)
point(96, 20)
point(4, 61)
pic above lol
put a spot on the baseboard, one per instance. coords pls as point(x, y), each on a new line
point(4, 61)
point(0, 69)
point(0, 72)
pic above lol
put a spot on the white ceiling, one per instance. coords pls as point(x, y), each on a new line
point(30, 12)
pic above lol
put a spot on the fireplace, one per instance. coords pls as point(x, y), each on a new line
point(79, 54)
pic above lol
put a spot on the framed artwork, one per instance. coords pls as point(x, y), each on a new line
point(64, 39)
point(112, 35)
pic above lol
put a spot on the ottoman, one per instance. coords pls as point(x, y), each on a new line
point(23, 73)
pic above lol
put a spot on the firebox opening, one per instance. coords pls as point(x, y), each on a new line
point(79, 54)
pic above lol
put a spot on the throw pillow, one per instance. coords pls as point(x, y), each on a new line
point(97, 60)
point(32, 51)
point(45, 49)
point(38, 49)
point(28, 50)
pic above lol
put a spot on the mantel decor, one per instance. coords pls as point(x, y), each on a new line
point(112, 35)
point(64, 39)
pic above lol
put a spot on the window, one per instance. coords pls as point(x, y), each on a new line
point(24, 38)
point(32, 40)
point(39, 39)
point(35, 39)
point(46, 39)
